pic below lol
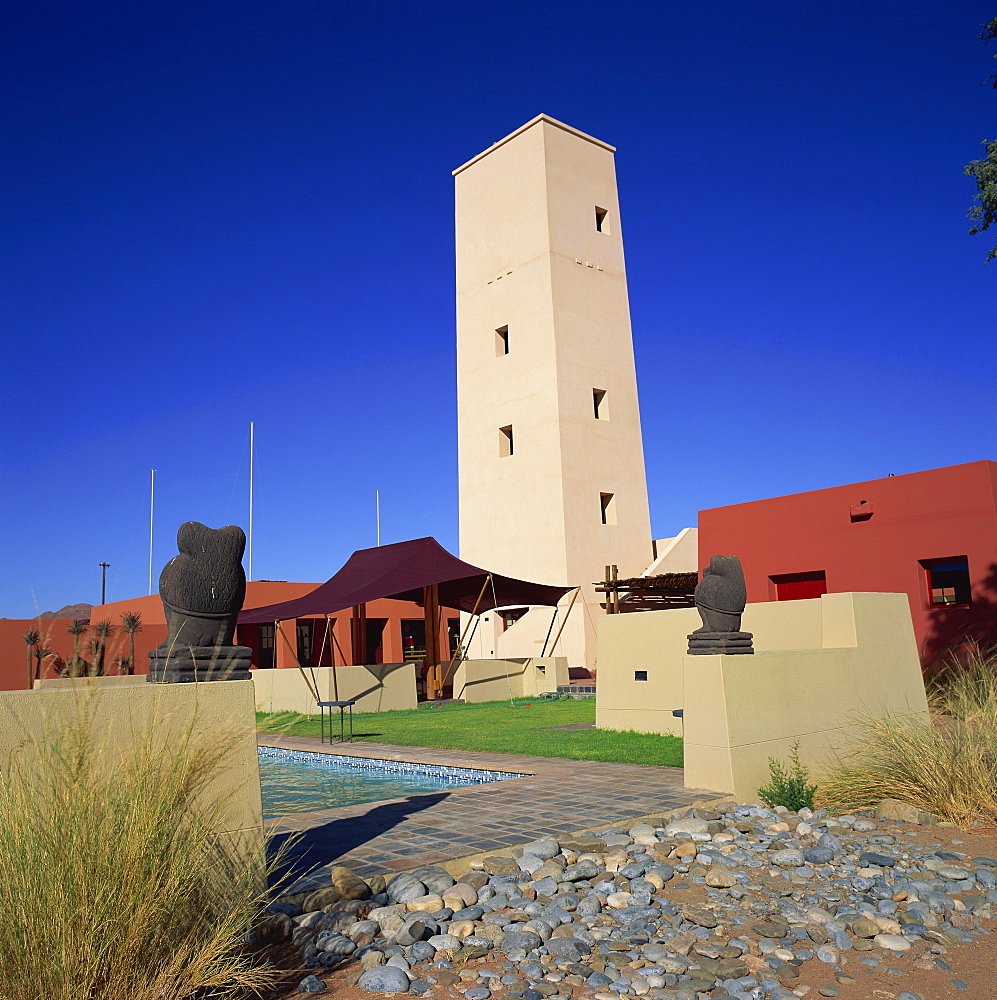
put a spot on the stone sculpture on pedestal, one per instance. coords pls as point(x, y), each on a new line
point(202, 590)
point(720, 597)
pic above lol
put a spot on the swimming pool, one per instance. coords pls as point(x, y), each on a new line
point(295, 781)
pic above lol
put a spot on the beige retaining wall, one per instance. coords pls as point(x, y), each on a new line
point(817, 664)
point(379, 687)
point(113, 680)
point(123, 714)
point(496, 680)
point(655, 642)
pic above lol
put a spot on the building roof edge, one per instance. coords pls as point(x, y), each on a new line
point(522, 128)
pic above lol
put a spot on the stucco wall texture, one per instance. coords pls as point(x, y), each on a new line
point(913, 519)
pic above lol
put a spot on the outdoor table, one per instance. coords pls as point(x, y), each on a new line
point(341, 705)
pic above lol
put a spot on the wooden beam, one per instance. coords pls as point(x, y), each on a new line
point(358, 633)
point(431, 604)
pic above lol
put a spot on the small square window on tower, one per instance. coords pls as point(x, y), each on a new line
point(607, 504)
point(505, 441)
point(601, 220)
point(599, 404)
point(501, 341)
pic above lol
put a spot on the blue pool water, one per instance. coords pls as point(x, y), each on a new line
point(294, 781)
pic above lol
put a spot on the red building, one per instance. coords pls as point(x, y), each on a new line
point(931, 535)
point(382, 631)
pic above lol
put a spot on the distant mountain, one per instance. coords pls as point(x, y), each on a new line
point(69, 611)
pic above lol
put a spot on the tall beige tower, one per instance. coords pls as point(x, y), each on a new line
point(551, 463)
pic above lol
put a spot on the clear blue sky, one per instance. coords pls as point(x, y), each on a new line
point(231, 211)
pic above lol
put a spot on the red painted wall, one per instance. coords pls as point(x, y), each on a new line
point(929, 515)
point(259, 593)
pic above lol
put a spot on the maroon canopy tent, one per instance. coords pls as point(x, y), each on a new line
point(402, 571)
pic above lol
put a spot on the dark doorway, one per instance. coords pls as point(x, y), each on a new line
point(375, 639)
point(265, 647)
point(305, 632)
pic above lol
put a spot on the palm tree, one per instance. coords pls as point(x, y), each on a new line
point(40, 653)
point(31, 639)
point(131, 622)
point(90, 668)
point(104, 630)
point(76, 629)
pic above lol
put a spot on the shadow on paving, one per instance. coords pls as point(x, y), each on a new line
point(310, 849)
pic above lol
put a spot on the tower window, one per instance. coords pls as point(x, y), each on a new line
point(599, 404)
point(601, 220)
point(505, 441)
point(501, 341)
point(607, 505)
point(948, 582)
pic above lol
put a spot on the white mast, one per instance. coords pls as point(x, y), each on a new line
point(152, 512)
point(252, 427)
point(377, 510)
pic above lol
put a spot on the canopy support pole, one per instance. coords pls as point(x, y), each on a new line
point(329, 633)
point(565, 620)
point(460, 641)
point(550, 628)
point(336, 645)
point(294, 653)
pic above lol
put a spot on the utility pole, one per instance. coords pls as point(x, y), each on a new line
point(103, 581)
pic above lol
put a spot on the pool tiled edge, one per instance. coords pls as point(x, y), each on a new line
point(554, 796)
point(397, 766)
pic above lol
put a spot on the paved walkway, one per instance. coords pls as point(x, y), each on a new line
point(556, 797)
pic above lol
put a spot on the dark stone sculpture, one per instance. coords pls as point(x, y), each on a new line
point(720, 597)
point(202, 590)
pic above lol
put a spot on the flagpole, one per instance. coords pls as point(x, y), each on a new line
point(152, 513)
point(377, 509)
point(252, 429)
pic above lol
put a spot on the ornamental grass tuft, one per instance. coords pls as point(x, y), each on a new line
point(946, 765)
point(114, 880)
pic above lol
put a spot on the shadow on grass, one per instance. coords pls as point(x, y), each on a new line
point(322, 844)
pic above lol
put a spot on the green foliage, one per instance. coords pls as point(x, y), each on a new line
point(984, 212)
point(131, 622)
point(498, 727)
point(788, 788)
point(31, 638)
point(984, 172)
point(104, 630)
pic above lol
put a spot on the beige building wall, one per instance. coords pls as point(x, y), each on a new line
point(656, 642)
point(817, 664)
point(676, 555)
point(543, 328)
point(499, 679)
point(381, 687)
point(123, 714)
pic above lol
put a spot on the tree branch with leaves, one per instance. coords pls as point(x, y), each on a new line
point(984, 213)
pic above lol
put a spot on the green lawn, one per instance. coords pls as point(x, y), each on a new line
point(498, 727)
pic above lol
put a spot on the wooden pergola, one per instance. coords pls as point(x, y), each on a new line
point(646, 593)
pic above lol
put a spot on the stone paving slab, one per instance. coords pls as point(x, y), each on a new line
point(555, 796)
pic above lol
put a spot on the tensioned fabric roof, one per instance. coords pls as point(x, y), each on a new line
point(400, 571)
